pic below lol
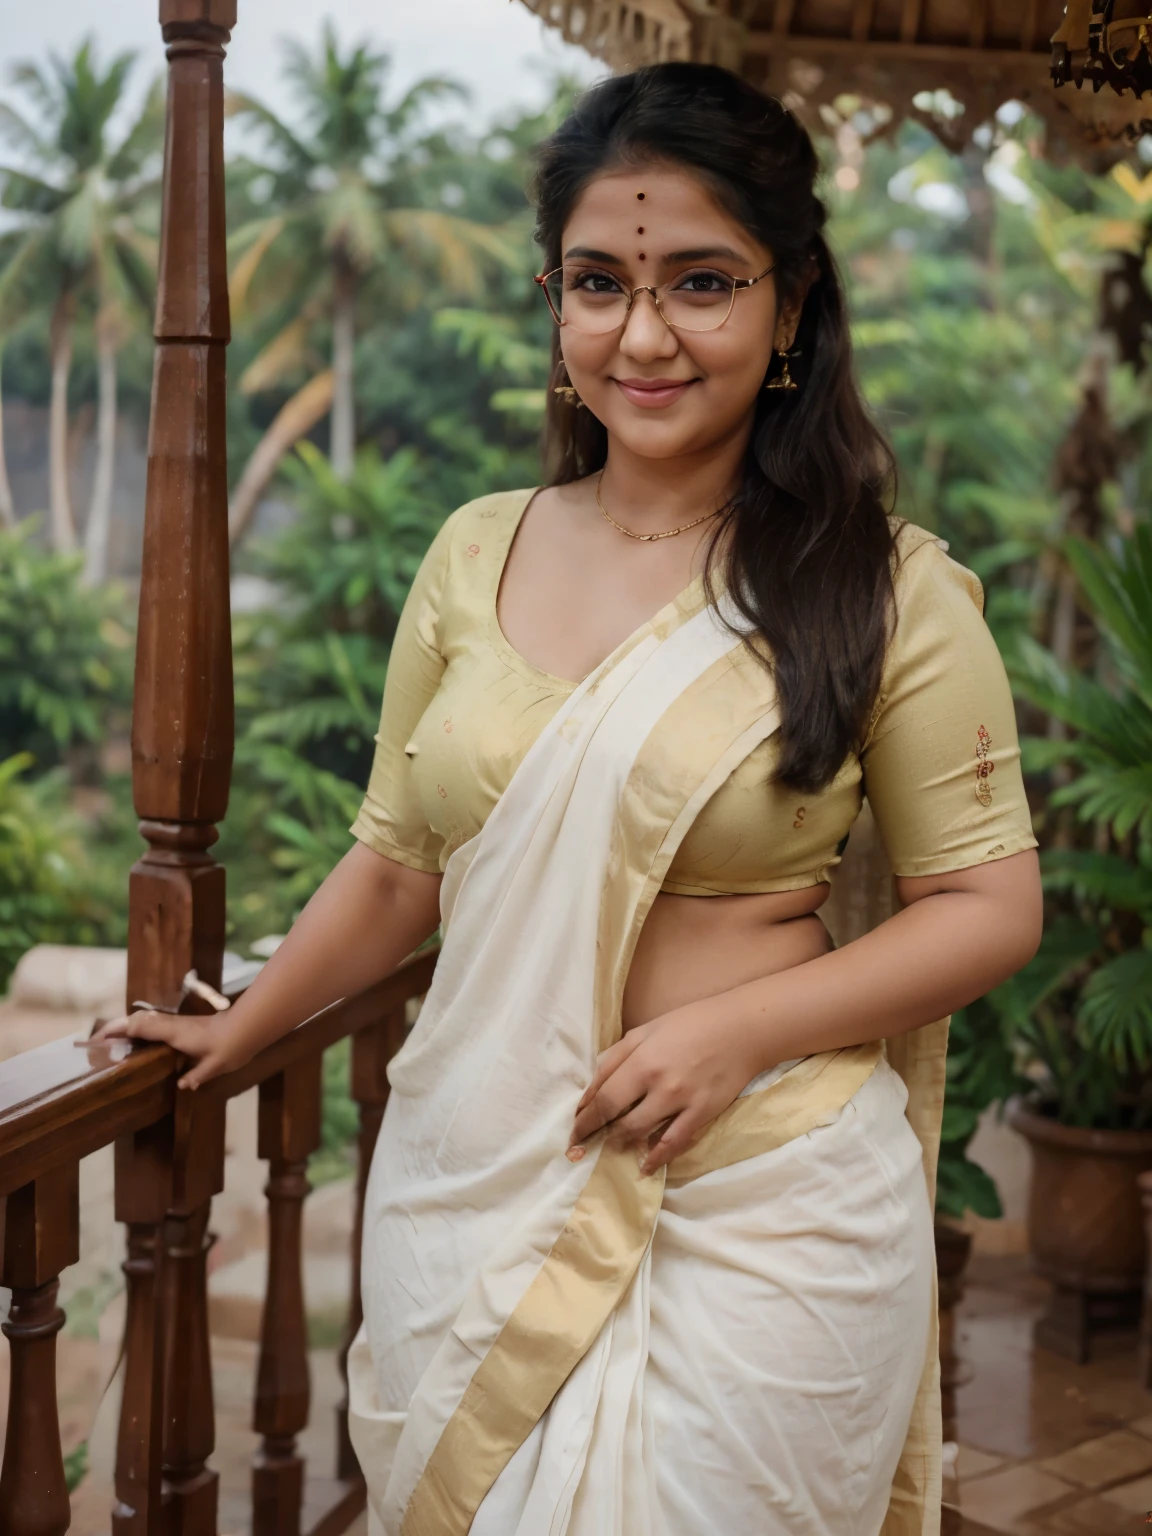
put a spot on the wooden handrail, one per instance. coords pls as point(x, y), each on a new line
point(62, 1101)
point(65, 1100)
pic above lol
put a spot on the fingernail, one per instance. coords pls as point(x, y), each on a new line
point(574, 1154)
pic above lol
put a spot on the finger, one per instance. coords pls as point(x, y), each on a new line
point(643, 1123)
point(207, 1067)
point(606, 1063)
point(165, 1027)
point(613, 1100)
point(678, 1137)
point(112, 1029)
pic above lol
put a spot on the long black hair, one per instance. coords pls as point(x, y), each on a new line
point(807, 542)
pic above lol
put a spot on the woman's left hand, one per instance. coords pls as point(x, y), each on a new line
point(673, 1075)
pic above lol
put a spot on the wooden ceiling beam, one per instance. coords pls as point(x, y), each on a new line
point(1026, 64)
point(782, 21)
point(910, 20)
point(978, 28)
point(1029, 23)
point(862, 13)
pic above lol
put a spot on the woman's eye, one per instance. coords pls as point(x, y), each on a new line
point(594, 282)
point(704, 282)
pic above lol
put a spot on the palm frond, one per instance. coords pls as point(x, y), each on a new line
point(1105, 878)
point(144, 139)
point(20, 133)
point(25, 193)
point(1115, 1013)
point(279, 135)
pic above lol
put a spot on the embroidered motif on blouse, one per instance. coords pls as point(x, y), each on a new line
point(984, 766)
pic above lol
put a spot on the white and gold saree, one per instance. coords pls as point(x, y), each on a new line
point(740, 1344)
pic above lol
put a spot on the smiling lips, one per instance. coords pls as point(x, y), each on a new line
point(653, 393)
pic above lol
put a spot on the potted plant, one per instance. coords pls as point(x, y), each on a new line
point(1081, 1012)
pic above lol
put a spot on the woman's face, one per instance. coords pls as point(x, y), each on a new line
point(662, 391)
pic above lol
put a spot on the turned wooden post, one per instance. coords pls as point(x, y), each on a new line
point(372, 1050)
point(182, 717)
point(181, 765)
point(191, 1487)
point(289, 1132)
point(41, 1237)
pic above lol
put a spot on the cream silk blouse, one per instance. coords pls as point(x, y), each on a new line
point(940, 765)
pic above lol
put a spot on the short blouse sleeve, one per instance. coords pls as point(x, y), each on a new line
point(942, 759)
point(391, 820)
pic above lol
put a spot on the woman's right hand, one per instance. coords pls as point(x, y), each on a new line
point(209, 1039)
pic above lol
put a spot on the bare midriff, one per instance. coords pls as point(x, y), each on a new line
point(692, 947)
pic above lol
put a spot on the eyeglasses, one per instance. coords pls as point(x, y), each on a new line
point(595, 302)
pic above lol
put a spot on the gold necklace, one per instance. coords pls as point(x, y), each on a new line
point(646, 538)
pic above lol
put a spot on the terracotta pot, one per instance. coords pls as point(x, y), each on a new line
point(1085, 1224)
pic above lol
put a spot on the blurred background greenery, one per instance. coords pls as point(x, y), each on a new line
point(389, 362)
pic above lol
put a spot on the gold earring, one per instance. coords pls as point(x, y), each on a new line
point(567, 393)
point(785, 380)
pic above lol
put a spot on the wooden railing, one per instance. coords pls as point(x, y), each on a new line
point(66, 1100)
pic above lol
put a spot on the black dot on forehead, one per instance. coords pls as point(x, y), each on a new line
point(641, 255)
point(639, 197)
point(640, 231)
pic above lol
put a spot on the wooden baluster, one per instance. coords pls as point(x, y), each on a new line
point(372, 1050)
point(289, 1132)
point(191, 1488)
point(143, 1194)
point(41, 1237)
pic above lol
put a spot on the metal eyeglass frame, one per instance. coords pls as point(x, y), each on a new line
point(738, 283)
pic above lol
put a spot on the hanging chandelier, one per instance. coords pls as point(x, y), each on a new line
point(1105, 42)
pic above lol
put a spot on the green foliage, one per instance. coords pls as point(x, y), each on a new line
point(76, 1466)
point(1083, 1008)
point(65, 655)
point(339, 1120)
point(49, 890)
point(981, 1072)
point(83, 208)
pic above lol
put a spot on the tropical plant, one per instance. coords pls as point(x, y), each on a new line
point(1082, 1010)
point(346, 201)
point(65, 655)
point(981, 1072)
point(310, 671)
point(78, 237)
point(49, 890)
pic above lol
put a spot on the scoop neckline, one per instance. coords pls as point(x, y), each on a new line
point(501, 641)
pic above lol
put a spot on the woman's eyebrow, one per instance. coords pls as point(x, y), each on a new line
point(706, 253)
point(586, 253)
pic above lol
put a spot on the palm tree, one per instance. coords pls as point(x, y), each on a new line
point(346, 199)
point(77, 240)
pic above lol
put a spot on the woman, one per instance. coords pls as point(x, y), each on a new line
point(648, 1241)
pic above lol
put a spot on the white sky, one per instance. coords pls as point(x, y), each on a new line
point(496, 47)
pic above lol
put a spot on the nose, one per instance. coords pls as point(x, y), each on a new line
point(646, 336)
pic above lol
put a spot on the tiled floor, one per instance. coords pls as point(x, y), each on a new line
point(1047, 1448)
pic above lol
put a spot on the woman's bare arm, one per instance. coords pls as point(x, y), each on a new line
point(369, 913)
point(957, 936)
